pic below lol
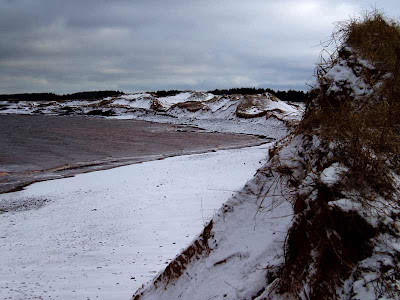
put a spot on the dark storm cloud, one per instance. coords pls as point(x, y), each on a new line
point(66, 46)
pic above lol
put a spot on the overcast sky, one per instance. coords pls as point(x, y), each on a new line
point(138, 45)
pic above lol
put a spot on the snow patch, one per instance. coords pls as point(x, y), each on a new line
point(333, 174)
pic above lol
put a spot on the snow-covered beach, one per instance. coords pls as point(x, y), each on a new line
point(200, 150)
point(102, 235)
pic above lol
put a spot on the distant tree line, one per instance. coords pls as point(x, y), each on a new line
point(92, 95)
point(166, 93)
point(290, 95)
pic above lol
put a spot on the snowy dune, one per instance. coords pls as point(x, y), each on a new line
point(251, 114)
point(102, 235)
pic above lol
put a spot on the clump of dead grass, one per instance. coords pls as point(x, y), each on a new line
point(365, 129)
point(376, 38)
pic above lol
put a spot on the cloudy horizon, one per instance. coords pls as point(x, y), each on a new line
point(72, 46)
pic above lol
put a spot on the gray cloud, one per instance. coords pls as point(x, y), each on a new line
point(67, 46)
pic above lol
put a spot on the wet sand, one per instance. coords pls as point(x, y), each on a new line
point(36, 148)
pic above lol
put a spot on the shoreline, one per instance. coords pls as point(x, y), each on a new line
point(109, 143)
point(67, 171)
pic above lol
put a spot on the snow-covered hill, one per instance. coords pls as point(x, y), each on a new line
point(262, 114)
